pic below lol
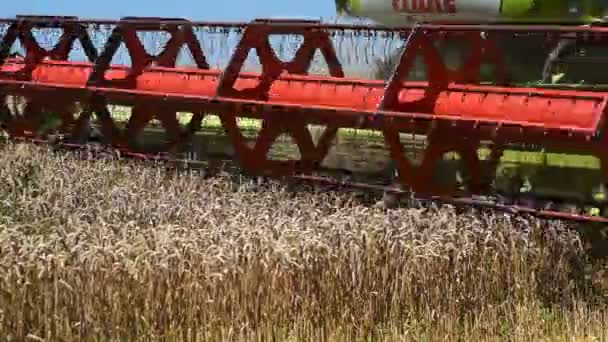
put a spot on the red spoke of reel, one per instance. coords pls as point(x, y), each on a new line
point(181, 33)
point(22, 30)
point(257, 37)
point(419, 178)
point(142, 114)
point(256, 160)
point(98, 106)
point(438, 74)
point(440, 141)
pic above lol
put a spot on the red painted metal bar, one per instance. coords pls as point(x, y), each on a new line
point(573, 112)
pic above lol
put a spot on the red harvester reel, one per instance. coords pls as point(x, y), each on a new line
point(501, 95)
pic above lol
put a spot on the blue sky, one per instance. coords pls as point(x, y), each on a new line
point(219, 10)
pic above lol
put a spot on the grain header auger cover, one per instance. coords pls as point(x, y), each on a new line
point(160, 68)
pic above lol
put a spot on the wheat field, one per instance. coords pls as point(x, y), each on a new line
point(108, 250)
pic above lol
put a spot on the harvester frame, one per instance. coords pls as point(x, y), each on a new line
point(452, 108)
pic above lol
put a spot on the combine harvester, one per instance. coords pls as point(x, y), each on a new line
point(458, 104)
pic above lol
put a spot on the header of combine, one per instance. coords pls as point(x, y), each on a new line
point(462, 88)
